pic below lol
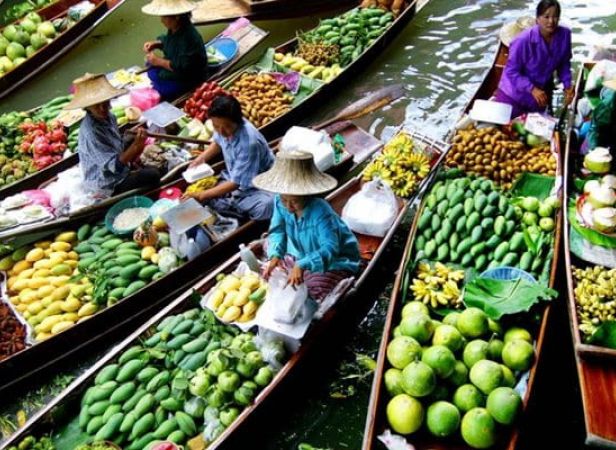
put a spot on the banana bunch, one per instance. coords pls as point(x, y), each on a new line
point(202, 184)
point(595, 297)
point(299, 64)
point(122, 77)
point(437, 286)
point(399, 165)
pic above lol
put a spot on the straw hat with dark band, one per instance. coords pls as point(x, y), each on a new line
point(294, 173)
point(92, 89)
point(168, 7)
point(511, 29)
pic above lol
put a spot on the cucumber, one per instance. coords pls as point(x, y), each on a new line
point(144, 405)
point(166, 428)
point(134, 287)
point(186, 423)
point(110, 411)
point(182, 327)
point(132, 353)
point(132, 402)
point(98, 408)
point(148, 272)
point(127, 259)
point(123, 393)
point(111, 244)
point(117, 293)
point(196, 345)
point(146, 374)
point(179, 341)
point(107, 373)
point(128, 422)
point(131, 271)
point(94, 424)
point(130, 370)
point(162, 393)
point(142, 426)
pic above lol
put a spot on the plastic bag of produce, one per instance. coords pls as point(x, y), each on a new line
point(286, 301)
point(372, 210)
point(603, 70)
point(271, 347)
point(394, 441)
point(316, 142)
point(191, 243)
point(168, 259)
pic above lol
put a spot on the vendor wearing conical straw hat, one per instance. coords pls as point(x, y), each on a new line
point(535, 54)
point(306, 236)
point(105, 164)
point(184, 62)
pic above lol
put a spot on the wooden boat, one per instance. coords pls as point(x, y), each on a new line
point(248, 38)
point(371, 248)
point(596, 366)
point(215, 11)
point(279, 125)
point(61, 44)
point(22, 365)
point(376, 421)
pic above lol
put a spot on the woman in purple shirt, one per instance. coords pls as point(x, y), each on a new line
point(527, 81)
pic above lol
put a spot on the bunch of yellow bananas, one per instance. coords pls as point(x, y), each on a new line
point(400, 165)
point(202, 184)
point(437, 286)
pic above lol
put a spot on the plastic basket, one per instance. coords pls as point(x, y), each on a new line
point(507, 273)
point(227, 47)
point(138, 201)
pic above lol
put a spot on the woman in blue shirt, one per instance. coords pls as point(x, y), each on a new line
point(184, 64)
point(246, 154)
point(306, 236)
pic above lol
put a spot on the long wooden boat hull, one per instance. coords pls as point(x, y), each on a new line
point(19, 367)
point(209, 12)
point(376, 417)
point(59, 46)
point(596, 367)
point(248, 40)
point(70, 397)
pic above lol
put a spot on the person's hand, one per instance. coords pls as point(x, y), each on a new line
point(140, 137)
point(269, 268)
point(569, 94)
point(198, 160)
point(200, 196)
point(540, 97)
point(296, 277)
point(149, 46)
point(153, 59)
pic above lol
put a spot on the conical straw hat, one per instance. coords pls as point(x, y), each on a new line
point(168, 7)
point(610, 84)
point(294, 173)
point(92, 89)
point(511, 29)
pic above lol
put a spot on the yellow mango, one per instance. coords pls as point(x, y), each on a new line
point(250, 281)
point(45, 291)
point(21, 307)
point(250, 308)
point(87, 309)
point(46, 301)
point(58, 255)
point(43, 244)
point(27, 296)
point(147, 252)
point(20, 266)
point(15, 300)
point(155, 258)
point(24, 274)
point(20, 285)
point(60, 246)
point(231, 314)
point(221, 310)
point(11, 282)
point(241, 298)
point(72, 316)
point(230, 283)
point(61, 292)
point(228, 300)
point(54, 308)
point(73, 255)
point(47, 323)
point(35, 283)
point(43, 264)
point(78, 290)
point(67, 236)
point(217, 298)
point(35, 307)
point(60, 280)
point(27, 315)
point(35, 254)
point(42, 336)
point(61, 326)
point(41, 273)
point(71, 304)
point(245, 318)
point(6, 263)
point(71, 263)
point(48, 252)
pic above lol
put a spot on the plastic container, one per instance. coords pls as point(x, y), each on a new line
point(249, 258)
point(507, 273)
point(172, 193)
point(144, 98)
point(138, 201)
point(225, 46)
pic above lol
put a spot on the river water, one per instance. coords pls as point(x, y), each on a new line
point(440, 58)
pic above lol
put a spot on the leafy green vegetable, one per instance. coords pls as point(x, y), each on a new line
point(605, 335)
point(498, 298)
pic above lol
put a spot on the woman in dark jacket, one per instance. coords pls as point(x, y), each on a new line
point(183, 65)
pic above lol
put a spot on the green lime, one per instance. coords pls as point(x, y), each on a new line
point(418, 326)
point(418, 379)
point(475, 351)
point(449, 336)
point(440, 359)
point(478, 428)
point(468, 397)
point(518, 355)
point(459, 376)
point(405, 414)
point(442, 419)
point(402, 350)
point(503, 405)
point(472, 323)
point(486, 375)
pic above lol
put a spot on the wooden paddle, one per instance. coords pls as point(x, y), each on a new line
point(359, 108)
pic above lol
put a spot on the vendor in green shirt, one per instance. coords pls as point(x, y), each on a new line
point(184, 62)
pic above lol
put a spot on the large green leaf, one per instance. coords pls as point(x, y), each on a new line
point(498, 298)
point(533, 185)
point(605, 335)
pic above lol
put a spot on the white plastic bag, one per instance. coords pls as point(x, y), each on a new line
point(394, 441)
point(371, 211)
point(306, 140)
point(602, 71)
point(286, 301)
